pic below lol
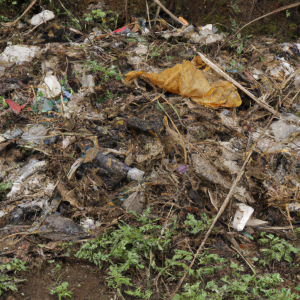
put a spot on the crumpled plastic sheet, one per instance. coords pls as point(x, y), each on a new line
point(42, 17)
point(188, 81)
point(29, 169)
point(58, 228)
point(205, 169)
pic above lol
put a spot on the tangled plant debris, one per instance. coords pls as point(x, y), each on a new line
point(146, 158)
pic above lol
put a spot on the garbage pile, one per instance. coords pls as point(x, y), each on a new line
point(118, 121)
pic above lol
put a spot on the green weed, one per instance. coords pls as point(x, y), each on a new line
point(99, 15)
point(237, 286)
point(278, 249)
point(61, 291)
point(15, 265)
point(194, 226)
point(128, 251)
point(235, 7)
point(108, 73)
point(5, 186)
point(239, 42)
point(155, 51)
point(124, 249)
point(3, 18)
point(7, 282)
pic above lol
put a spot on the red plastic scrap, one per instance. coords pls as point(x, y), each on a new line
point(120, 30)
point(15, 106)
point(124, 29)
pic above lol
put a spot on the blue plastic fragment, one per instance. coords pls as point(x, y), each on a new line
point(231, 71)
point(67, 94)
point(248, 235)
point(226, 112)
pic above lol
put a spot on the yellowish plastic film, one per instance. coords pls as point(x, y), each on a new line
point(188, 81)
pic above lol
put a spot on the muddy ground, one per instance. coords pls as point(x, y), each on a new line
point(86, 281)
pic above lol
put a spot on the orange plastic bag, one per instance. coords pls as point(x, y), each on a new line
point(188, 81)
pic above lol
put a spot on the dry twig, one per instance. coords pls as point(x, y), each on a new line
point(168, 12)
point(147, 6)
point(126, 10)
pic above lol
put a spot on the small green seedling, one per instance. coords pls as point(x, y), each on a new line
point(61, 291)
point(7, 282)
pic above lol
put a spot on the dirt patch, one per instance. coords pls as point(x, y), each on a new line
point(85, 282)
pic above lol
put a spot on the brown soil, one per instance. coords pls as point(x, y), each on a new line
point(85, 281)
